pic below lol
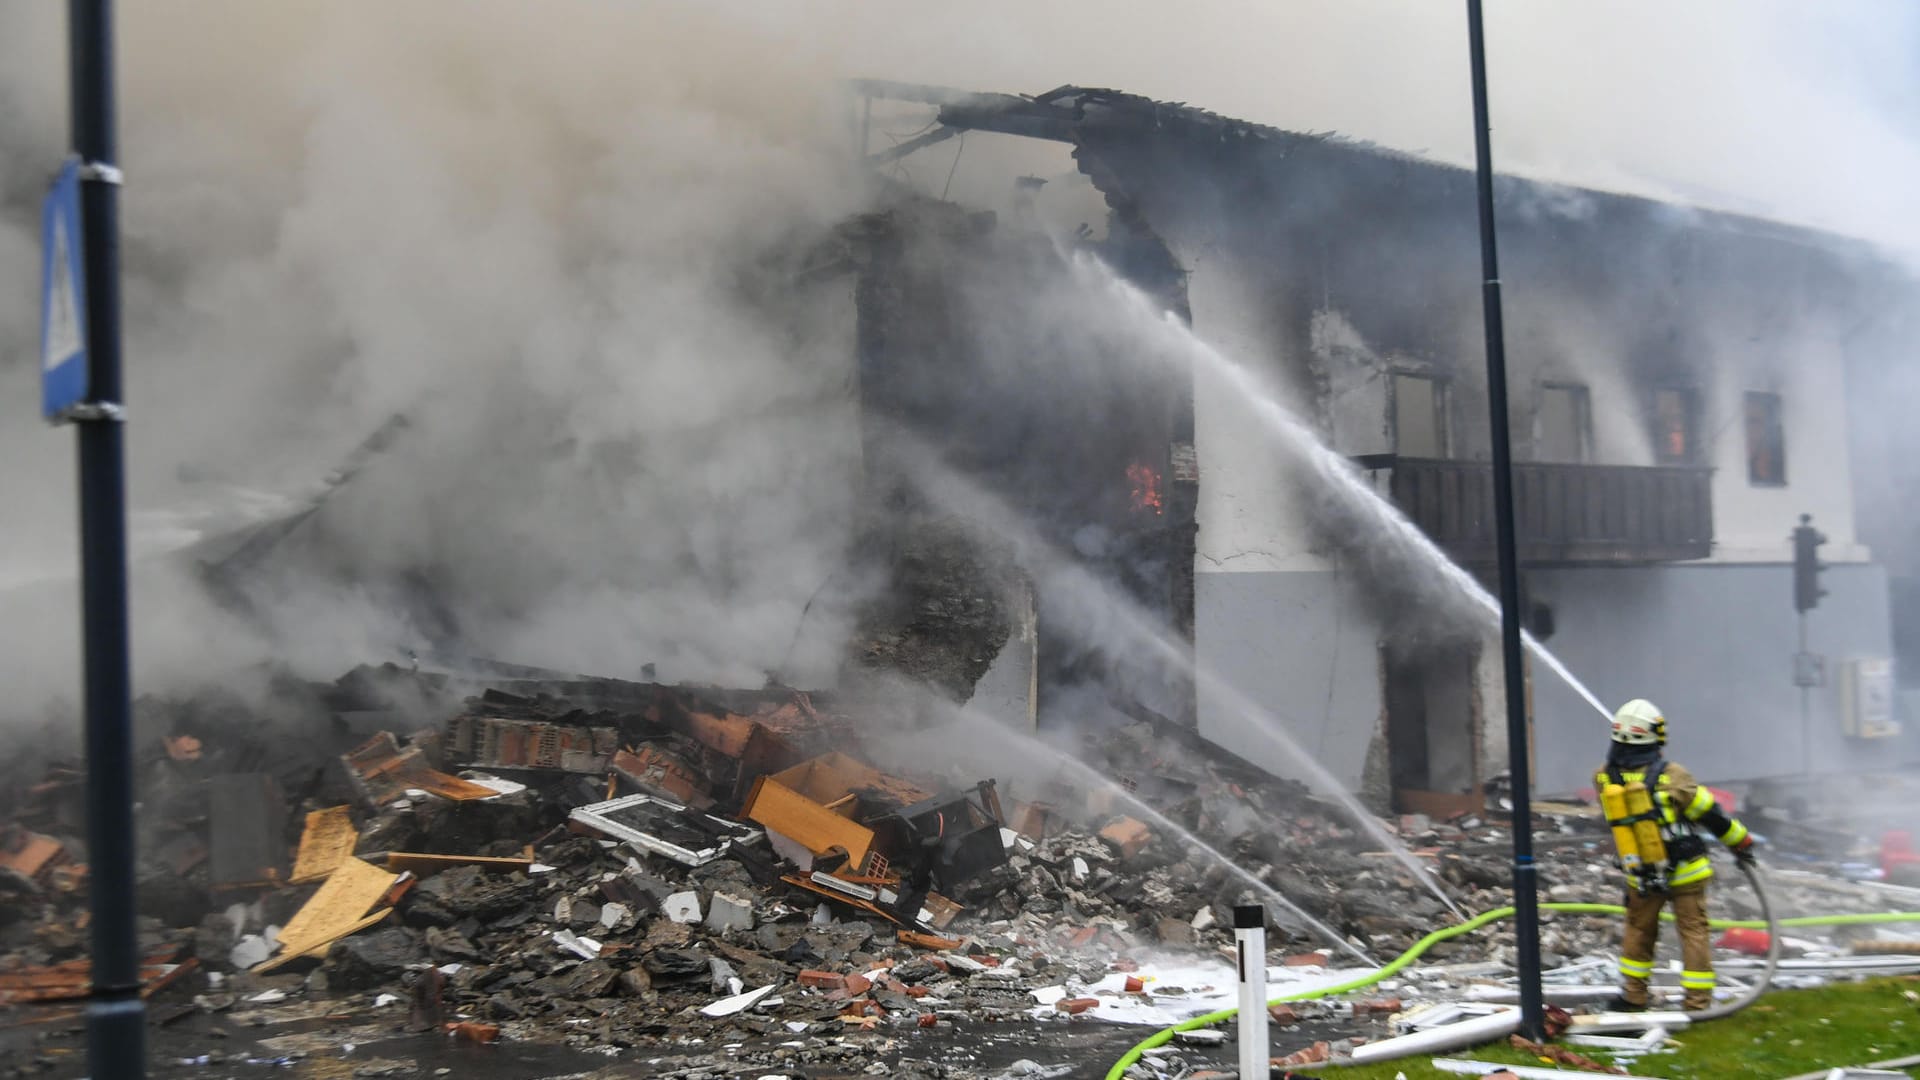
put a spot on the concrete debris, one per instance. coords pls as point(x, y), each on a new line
point(737, 1003)
point(682, 907)
point(728, 914)
point(1203, 1037)
point(250, 951)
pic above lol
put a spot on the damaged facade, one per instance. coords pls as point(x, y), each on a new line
point(1681, 394)
point(1680, 398)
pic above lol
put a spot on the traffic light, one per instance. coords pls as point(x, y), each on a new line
point(1806, 565)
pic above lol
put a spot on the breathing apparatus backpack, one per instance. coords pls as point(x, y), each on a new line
point(1637, 841)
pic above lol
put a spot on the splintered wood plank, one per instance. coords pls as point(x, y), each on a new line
point(339, 908)
point(328, 841)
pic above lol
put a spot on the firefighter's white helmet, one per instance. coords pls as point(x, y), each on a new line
point(1639, 723)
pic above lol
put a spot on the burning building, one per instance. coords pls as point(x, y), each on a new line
point(1681, 397)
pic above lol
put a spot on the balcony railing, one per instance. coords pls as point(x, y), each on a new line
point(1563, 514)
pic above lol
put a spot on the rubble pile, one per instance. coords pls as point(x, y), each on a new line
point(710, 879)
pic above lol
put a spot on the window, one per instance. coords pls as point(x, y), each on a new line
point(1563, 426)
point(1675, 422)
point(1766, 442)
point(1419, 416)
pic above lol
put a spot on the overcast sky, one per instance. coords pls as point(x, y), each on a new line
point(1809, 112)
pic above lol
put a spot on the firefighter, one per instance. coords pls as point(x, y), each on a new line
point(1658, 812)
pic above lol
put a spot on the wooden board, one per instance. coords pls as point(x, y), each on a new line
point(805, 822)
point(339, 908)
point(327, 841)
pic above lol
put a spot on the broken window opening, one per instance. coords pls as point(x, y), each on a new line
point(1430, 725)
point(1766, 440)
point(1563, 424)
point(1419, 406)
point(1676, 423)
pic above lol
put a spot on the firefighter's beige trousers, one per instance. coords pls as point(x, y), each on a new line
point(1696, 946)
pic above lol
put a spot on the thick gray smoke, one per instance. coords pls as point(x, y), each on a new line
point(566, 240)
point(565, 243)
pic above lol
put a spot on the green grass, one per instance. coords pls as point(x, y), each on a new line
point(1785, 1033)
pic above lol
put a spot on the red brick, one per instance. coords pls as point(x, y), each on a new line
point(1314, 1054)
point(860, 984)
point(1075, 1006)
point(917, 991)
point(929, 1020)
point(822, 980)
point(1283, 1014)
point(1081, 937)
point(1127, 836)
point(1312, 959)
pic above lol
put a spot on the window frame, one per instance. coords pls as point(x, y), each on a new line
point(1582, 396)
point(1442, 409)
point(1690, 426)
point(1777, 429)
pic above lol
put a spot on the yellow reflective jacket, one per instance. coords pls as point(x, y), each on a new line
point(1685, 807)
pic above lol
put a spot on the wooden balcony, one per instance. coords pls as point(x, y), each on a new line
point(1564, 514)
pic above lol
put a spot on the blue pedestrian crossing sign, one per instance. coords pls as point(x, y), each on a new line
point(63, 299)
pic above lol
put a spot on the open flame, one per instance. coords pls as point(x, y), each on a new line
point(1145, 482)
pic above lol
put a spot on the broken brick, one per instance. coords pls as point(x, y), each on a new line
point(1075, 1006)
point(822, 980)
point(1127, 836)
point(1312, 1055)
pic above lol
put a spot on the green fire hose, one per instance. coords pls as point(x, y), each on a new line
point(1165, 1035)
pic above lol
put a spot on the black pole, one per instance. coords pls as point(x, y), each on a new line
point(1526, 926)
point(116, 1016)
point(1806, 702)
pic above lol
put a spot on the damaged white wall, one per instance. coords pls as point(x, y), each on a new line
point(1276, 617)
point(1278, 623)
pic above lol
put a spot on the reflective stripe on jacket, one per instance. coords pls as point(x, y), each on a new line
point(1684, 807)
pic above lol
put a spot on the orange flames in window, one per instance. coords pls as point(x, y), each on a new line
point(1145, 481)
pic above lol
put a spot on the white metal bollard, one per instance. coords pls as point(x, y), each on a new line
point(1250, 945)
